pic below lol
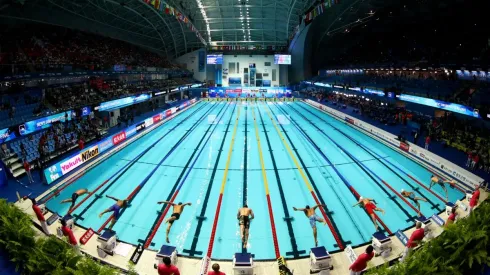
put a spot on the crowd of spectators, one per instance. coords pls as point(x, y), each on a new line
point(48, 48)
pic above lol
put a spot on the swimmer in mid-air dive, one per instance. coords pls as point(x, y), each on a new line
point(74, 197)
point(370, 208)
point(178, 208)
point(411, 195)
point(435, 180)
point(244, 216)
point(310, 213)
point(115, 208)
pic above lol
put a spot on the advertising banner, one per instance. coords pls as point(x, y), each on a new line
point(118, 138)
point(451, 107)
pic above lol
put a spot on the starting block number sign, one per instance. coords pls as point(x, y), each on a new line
point(137, 254)
point(351, 255)
point(437, 220)
point(402, 237)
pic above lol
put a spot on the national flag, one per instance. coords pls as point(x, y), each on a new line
point(147, 1)
point(167, 9)
point(156, 4)
point(320, 8)
point(152, 2)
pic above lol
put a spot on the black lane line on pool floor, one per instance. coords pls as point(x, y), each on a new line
point(140, 186)
point(169, 197)
point(295, 253)
point(320, 198)
point(192, 251)
point(244, 187)
point(390, 196)
point(434, 206)
point(99, 195)
point(333, 190)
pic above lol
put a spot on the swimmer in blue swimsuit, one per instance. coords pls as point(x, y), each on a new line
point(310, 213)
point(411, 196)
point(115, 208)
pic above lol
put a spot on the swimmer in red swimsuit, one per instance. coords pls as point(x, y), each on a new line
point(370, 208)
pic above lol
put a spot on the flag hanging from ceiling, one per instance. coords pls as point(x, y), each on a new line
point(167, 9)
point(156, 4)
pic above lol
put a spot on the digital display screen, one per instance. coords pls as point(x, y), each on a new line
point(214, 59)
point(42, 123)
point(86, 111)
point(452, 107)
point(235, 81)
point(282, 59)
point(6, 135)
point(123, 102)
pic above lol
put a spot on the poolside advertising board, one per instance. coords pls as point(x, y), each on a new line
point(446, 167)
point(67, 165)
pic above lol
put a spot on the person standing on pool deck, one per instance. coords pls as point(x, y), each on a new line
point(40, 216)
point(116, 208)
point(361, 262)
point(452, 217)
point(310, 213)
point(475, 198)
point(370, 208)
point(74, 197)
point(435, 180)
point(245, 215)
point(178, 208)
point(411, 195)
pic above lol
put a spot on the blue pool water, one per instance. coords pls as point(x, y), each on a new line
point(194, 140)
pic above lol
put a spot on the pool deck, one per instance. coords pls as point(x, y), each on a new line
point(192, 266)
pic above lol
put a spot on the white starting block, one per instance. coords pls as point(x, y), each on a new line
point(43, 209)
point(69, 222)
point(320, 261)
point(449, 207)
point(381, 244)
point(107, 243)
point(243, 264)
point(469, 195)
point(166, 251)
point(427, 226)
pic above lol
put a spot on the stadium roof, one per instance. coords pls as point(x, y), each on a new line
point(245, 22)
point(171, 27)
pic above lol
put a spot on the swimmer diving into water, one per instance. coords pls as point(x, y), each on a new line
point(370, 208)
point(245, 216)
point(411, 196)
point(115, 208)
point(74, 197)
point(435, 180)
point(178, 208)
point(310, 213)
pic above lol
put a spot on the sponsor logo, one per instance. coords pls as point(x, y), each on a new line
point(90, 153)
point(105, 144)
point(140, 127)
point(71, 164)
point(118, 138)
point(86, 236)
point(168, 113)
point(137, 254)
point(157, 118)
point(148, 122)
point(130, 131)
point(405, 147)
